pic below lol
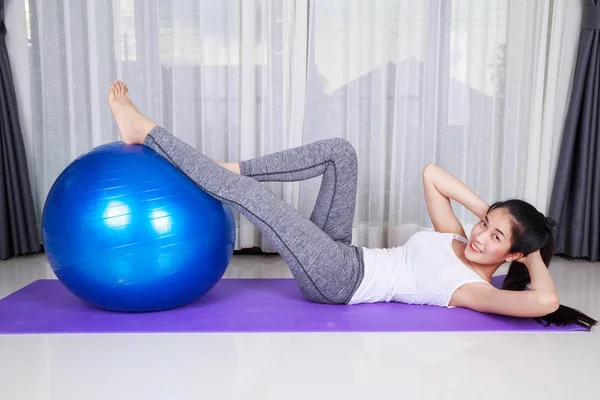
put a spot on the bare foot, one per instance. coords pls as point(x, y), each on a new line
point(231, 166)
point(133, 125)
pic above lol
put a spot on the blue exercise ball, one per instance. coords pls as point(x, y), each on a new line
point(125, 230)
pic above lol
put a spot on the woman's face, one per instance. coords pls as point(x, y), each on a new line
point(490, 239)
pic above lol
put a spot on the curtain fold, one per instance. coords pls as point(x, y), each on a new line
point(576, 193)
point(558, 53)
point(18, 226)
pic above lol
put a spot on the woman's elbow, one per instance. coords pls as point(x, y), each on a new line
point(429, 166)
point(549, 304)
point(429, 169)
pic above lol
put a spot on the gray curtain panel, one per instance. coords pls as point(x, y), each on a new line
point(575, 202)
point(18, 225)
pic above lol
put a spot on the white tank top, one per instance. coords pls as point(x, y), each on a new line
point(425, 270)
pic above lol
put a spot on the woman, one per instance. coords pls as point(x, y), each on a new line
point(440, 268)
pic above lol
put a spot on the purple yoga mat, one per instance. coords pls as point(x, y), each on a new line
point(241, 305)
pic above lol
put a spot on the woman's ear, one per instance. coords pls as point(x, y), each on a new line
point(513, 256)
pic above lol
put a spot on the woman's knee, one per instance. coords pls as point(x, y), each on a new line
point(344, 149)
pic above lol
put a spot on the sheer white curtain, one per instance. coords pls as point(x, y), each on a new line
point(478, 87)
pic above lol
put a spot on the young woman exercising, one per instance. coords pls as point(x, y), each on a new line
point(441, 268)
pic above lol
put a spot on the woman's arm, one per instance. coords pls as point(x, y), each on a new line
point(485, 298)
point(541, 300)
point(441, 187)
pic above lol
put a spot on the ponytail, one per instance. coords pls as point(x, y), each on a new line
point(518, 278)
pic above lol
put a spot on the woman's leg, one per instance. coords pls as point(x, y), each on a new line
point(326, 270)
point(336, 160)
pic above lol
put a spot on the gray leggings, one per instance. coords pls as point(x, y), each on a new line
point(319, 251)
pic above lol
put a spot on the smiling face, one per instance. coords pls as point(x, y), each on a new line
point(491, 239)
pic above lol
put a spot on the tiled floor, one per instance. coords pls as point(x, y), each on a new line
point(304, 366)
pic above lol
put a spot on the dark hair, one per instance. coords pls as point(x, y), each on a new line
point(531, 231)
